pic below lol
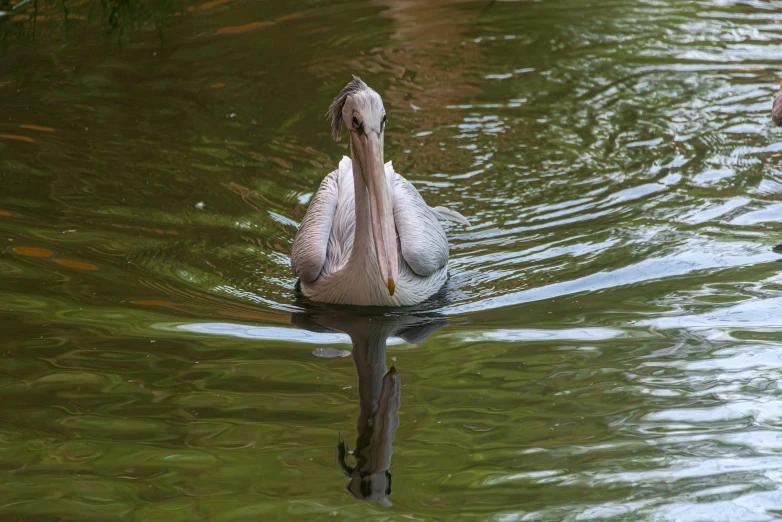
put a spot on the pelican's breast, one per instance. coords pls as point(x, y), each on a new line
point(357, 280)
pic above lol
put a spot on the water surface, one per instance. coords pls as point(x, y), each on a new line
point(609, 345)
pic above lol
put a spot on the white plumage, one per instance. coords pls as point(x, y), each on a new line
point(368, 238)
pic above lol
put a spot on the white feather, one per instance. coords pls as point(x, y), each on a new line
point(451, 215)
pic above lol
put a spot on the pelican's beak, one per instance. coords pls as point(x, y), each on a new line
point(368, 151)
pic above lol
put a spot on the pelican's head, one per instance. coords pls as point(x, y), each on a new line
point(361, 110)
point(371, 487)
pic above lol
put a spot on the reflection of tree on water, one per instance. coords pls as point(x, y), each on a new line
point(116, 16)
point(379, 391)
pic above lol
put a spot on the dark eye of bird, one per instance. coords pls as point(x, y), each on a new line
point(355, 121)
point(366, 488)
point(383, 121)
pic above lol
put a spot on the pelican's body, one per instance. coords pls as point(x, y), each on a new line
point(368, 238)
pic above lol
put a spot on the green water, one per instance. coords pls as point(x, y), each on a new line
point(609, 346)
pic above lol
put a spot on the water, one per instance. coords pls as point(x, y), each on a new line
point(609, 345)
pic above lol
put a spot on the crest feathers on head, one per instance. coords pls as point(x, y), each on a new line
point(335, 109)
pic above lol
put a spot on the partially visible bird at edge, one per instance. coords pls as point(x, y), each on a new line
point(368, 238)
point(776, 108)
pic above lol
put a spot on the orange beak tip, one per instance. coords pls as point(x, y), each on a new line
point(391, 286)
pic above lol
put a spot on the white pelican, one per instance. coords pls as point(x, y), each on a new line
point(363, 216)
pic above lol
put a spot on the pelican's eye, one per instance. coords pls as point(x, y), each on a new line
point(383, 121)
point(366, 487)
point(358, 124)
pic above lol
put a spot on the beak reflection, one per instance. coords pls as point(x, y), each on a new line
point(379, 393)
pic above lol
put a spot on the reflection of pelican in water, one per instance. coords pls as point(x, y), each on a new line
point(379, 392)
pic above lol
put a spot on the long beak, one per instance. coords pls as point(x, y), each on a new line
point(381, 206)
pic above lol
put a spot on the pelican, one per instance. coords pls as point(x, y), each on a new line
point(368, 238)
point(776, 108)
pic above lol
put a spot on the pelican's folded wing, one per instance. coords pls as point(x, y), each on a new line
point(450, 215)
point(424, 246)
point(308, 254)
